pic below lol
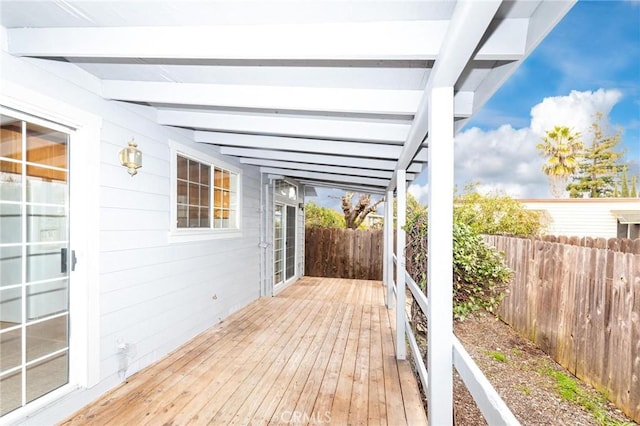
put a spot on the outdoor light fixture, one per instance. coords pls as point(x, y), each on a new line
point(131, 158)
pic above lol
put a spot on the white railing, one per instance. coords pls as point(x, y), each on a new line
point(492, 407)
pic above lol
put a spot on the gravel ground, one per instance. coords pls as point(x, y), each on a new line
point(522, 379)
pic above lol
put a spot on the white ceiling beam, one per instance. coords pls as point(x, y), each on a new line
point(358, 180)
point(343, 187)
point(545, 18)
point(468, 25)
point(463, 104)
point(287, 126)
point(366, 101)
point(507, 41)
point(372, 101)
point(322, 159)
point(492, 82)
point(359, 149)
point(389, 40)
point(349, 171)
point(349, 41)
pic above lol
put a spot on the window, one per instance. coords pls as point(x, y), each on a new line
point(206, 195)
point(628, 230)
point(225, 199)
point(194, 193)
point(286, 190)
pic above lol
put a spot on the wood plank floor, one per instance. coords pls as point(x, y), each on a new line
point(321, 352)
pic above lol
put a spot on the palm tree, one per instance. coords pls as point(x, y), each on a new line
point(561, 147)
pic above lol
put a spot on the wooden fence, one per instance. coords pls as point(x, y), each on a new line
point(343, 253)
point(581, 305)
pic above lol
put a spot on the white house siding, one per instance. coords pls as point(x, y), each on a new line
point(153, 295)
point(591, 217)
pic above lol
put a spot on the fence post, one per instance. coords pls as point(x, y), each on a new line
point(401, 213)
point(388, 243)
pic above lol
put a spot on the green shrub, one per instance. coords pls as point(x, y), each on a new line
point(479, 274)
point(495, 214)
point(322, 217)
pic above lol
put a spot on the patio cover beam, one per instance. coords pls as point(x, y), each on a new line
point(357, 180)
point(248, 154)
point(348, 171)
point(295, 98)
point(468, 25)
point(318, 146)
point(323, 128)
point(342, 186)
point(389, 40)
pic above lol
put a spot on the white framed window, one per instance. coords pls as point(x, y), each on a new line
point(286, 190)
point(205, 196)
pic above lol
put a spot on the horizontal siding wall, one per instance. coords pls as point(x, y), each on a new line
point(581, 222)
point(154, 295)
point(583, 218)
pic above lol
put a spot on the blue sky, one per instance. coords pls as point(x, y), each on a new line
point(589, 63)
point(596, 45)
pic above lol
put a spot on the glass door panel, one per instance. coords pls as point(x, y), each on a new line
point(34, 270)
point(290, 259)
point(284, 243)
point(278, 245)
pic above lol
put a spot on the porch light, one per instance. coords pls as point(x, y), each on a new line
point(131, 158)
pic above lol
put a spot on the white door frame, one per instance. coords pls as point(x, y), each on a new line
point(279, 286)
point(84, 179)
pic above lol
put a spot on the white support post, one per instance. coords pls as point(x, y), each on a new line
point(388, 243)
point(385, 246)
point(440, 259)
point(401, 212)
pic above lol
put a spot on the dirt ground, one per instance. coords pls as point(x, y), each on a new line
point(525, 377)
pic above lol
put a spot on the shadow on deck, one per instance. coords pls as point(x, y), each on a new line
point(321, 352)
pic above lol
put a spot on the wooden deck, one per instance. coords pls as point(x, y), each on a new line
point(322, 352)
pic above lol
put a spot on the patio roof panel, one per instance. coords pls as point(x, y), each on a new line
point(285, 80)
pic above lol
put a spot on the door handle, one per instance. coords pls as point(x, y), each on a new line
point(63, 260)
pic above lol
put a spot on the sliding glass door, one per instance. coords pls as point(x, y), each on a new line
point(34, 261)
point(284, 255)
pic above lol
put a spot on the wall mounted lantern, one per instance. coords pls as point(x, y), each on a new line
point(131, 158)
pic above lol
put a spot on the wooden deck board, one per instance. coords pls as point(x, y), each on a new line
point(321, 352)
point(216, 377)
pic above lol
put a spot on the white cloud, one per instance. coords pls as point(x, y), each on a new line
point(420, 191)
point(576, 111)
point(506, 159)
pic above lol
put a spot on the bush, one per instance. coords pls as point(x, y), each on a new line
point(479, 274)
point(495, 214)
point(322, 217)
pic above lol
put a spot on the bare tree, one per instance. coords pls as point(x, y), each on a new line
point(355, 215)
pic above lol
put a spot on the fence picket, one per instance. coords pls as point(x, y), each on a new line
point(343, 253)
point(580, 302)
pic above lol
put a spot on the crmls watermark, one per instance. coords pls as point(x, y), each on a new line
point(300, 417)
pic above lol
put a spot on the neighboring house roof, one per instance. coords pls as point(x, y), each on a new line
point(329, 93)
point(627, 216)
